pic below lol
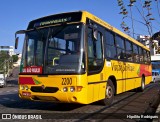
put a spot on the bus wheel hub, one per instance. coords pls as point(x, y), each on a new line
point(109, 92)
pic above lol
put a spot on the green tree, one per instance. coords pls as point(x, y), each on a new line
point(5, 61)
point(4, 56)
point(15, 58)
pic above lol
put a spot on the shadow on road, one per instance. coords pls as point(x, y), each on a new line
point(13, 101)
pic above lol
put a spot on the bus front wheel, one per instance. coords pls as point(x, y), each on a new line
point(109, 94)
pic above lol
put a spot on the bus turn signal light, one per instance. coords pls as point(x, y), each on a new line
point(79, 88)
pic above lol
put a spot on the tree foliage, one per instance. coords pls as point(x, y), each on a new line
point(15, 58)
point(143, 8)
point(4, 56)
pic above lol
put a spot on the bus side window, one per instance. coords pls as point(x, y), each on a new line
point(135, 53)
point(120, 47)
point(129, 49)
point(145, 56)
point(141, 55)
point(110, 45)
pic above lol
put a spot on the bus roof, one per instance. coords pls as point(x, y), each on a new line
point(108, 26)
point(77, 16)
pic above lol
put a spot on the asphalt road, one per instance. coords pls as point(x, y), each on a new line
point(12, 107)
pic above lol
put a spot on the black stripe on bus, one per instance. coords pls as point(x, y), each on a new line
point(97, 82)
point(132, 78)
point(42, 75)
point(116, 80)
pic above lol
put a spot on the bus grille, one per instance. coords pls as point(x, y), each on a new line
point(44, 90)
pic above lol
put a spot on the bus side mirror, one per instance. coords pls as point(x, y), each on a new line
point(95, 34)
point(17, 38)
point(16, 42)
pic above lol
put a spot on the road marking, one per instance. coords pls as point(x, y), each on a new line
point(3, 92)
point(6, 98)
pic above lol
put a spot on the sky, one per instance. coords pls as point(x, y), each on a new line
point(16, 14)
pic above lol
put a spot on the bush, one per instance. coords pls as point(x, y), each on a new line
point(15, 58)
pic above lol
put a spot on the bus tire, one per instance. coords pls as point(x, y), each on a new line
point(109, 94)
point(142, 87)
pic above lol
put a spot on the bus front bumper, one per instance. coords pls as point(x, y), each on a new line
point(58, 97)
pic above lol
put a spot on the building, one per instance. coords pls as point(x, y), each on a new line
point(9, 49)
point(145, 41)
point(155, 55)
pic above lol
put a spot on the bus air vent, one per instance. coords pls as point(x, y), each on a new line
point(44, 90)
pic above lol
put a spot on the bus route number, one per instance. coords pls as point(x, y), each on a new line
point(66, 81)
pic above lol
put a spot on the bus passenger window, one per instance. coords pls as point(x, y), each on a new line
point(129, 55)
point(120, 47)
point(111, 51)
point(119, 42)
point(110, 45)
point(120, 53)
point(145, 56)
point(141, 55)
point(135, 53)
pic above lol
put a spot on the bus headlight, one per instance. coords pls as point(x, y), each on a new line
point(22, 87)
point(72, 88)
point(27, 88)
point(65, 89)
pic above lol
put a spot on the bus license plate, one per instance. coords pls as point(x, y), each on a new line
point(28, 94)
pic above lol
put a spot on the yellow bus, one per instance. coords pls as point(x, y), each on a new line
point(76, 57)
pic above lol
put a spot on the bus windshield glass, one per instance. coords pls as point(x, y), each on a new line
point(58, 49)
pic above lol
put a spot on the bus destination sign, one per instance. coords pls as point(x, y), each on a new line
point(55, 19)
point(32, 70)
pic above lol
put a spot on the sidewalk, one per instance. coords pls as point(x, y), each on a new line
point(157, 113)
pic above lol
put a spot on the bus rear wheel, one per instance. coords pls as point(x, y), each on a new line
point(142, 87)
point(109, 94)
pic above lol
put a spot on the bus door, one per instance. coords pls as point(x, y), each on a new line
point(121, 66)
point(121, 76)
point(95, 63)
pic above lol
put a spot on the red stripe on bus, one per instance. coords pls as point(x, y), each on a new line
point(26, 80)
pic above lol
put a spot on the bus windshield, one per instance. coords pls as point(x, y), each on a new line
point(57, 49)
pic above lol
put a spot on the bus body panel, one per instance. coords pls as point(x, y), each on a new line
point(56, 81)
